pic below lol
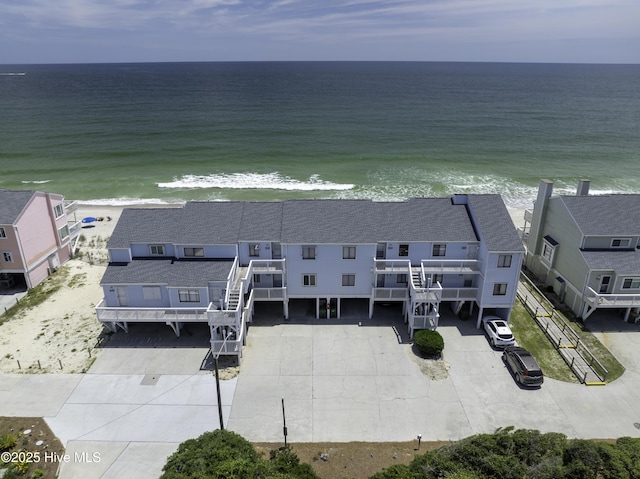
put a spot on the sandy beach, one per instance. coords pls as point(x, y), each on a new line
point(61, 334)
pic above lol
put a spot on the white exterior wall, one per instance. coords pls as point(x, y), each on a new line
point(143, 250)
point(329, 266)
point(120, 255)
point(210, 251)
point(243, 251)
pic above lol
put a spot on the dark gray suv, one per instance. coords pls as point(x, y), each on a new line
point(523, 365)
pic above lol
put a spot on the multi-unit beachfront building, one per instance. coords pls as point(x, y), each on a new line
point(212, 262)
point(36, 230)
point(587, 248)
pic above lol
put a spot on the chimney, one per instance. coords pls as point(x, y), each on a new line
point(539, 212)
point(583, 188)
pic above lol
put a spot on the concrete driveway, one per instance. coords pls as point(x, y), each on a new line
point(355, 380)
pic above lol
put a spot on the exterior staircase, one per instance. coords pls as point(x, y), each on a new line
point(234, 299)
point(416, 278)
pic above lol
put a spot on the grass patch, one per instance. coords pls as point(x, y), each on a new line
point(532, 338)
point(37, 295)
point(614, 368)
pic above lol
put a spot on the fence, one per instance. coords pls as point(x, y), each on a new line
point(559, 332)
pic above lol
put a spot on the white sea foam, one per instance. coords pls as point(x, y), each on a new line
point(128, 202)
point(261, 181)
point(35, 182)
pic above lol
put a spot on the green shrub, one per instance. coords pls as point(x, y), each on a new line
point(7, 441)
point(428, 342)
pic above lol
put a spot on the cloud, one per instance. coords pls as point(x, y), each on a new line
point(291, 23)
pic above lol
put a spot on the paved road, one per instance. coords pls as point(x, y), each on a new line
point(341, 381)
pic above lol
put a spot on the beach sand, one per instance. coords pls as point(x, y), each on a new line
point(61, 334)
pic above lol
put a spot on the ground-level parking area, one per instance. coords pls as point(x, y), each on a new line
point(352, 379)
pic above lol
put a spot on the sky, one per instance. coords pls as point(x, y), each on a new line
point(87, 31)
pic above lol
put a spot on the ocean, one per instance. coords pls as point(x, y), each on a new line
point(167, 132)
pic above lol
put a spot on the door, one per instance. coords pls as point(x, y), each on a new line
point(276, 251)
point(605, 281)
point(381, 251)
point(123, 296)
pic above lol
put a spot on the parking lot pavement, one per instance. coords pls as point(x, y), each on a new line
point(353, 381)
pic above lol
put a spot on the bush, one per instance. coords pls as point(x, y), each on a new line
point(226, 455)
point(428, 342)
point(7, 441)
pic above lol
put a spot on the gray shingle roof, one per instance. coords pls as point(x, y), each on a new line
point(494, 223)
point(12, 202)
point(605, 215)
point(318, 221)
point(166, 272)
point(622, 262)
point(146, 225)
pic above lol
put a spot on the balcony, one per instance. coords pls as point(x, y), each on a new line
point(269, 294)
point(390, 294)
point(70, 206)
point(74, 228)
point(459, 294)
point(601, 300)
point(108, 314)
point(392, 266)
point(451, 266)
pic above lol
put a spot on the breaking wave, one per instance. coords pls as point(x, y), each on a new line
point(35, 182)
point(246, 181)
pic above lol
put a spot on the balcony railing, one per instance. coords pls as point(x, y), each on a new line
point(601, 300)
point(228, 346)
point(390, 294)
point(269, 294)
point(454, 294)
point(74, 229)
point(147, 315)
point(451, 266)
point(392, 266)
point(70, 206)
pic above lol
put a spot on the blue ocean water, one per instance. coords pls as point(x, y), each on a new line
point(162, 132)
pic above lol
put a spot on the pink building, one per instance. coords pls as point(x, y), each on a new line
point(35, 236)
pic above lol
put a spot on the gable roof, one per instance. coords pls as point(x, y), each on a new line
point(605, 215)
point(12, 203)
point(316, 221)
point(494, 223)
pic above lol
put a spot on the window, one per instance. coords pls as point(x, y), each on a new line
point(348, 280)
point(3, 233)
point(403, 279)
point(631, 283)
point(194, 252)
point(504, 261)
point(548, 248)
point(63, 232)
point(308, 279)
point(58, 210)
point(348, 252)
point(254, 249)
point(6, 255)
point(403, 250)
point(439, 250)
point(189, 296)
point(156, 250)
point(620, 242)
point(150, 293)
point(308, 252)
point(499, 289)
